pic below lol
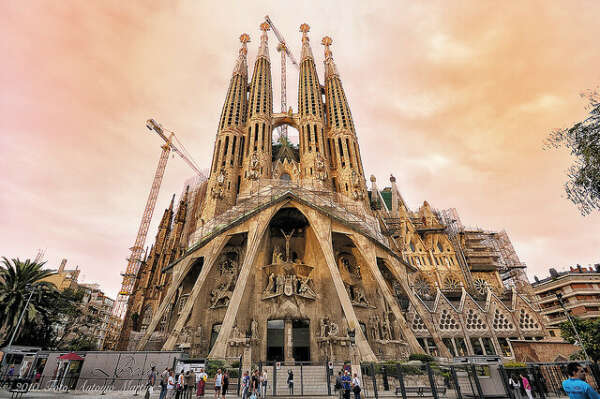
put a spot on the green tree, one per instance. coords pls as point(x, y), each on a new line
point(583, 140)
point(17, 278)
point(589, 331)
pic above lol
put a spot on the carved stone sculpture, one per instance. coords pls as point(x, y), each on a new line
point(320, 172)
point(254, 329)
point(254, 163)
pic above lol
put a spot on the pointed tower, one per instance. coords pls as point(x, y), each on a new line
point(348, 170)
point(257, 141)
point(314, 157)
point(223, 183)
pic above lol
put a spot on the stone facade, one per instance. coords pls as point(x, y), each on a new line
point(285, 255)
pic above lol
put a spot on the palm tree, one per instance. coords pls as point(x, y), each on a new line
point(17, 278)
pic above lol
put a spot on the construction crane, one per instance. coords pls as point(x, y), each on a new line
point(283, 49)
point(133, 262)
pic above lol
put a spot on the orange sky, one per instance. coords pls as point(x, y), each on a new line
point(453, 98)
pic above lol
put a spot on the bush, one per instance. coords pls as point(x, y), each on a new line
point(515, 365)
point(212, 366)
point(422, 357)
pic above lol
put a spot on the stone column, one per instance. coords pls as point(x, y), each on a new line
point(256, 232)
point(288, 349)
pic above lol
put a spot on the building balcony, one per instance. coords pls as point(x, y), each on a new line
point(481, 253)
point(555, 321)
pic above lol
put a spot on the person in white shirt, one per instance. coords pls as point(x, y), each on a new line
point(171, 385)
point(218, 384)
point(265, 380)
point(356, 386)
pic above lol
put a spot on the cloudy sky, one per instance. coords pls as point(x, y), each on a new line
point(453, 98)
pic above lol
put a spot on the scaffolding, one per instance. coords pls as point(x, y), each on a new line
point(267, 191)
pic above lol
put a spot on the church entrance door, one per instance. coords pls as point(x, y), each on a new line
point(301, 340)
point(275, 340)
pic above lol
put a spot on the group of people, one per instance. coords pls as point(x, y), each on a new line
point(574, 386)
point(182, 385)
point(344, 384)
point(254, 386)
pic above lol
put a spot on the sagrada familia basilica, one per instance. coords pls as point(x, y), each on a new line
point(286, 253)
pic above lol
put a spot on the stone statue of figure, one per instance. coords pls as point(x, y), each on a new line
point(236, 333)
point(279, 283)
point(359, 296)
point(334, 330)
point(288, 237)
point(323, 327)
point(305, 288)
point(271, 284)
point(294, 281)
point(276, 256)
point(254, 329)
point(385, 330)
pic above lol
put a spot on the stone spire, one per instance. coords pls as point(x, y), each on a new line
point(347, 164)
point(223, 182)
point(306, 50)
point(241, 64)
point(263, 48)
point(314, 148)
point(257, 141)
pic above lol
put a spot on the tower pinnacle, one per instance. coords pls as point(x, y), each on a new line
point(263, 49)
point(306, 50)
point(241, 67)
point(330, 68)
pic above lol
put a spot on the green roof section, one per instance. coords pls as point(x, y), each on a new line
point(387, 198)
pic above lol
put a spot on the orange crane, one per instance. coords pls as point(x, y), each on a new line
point(283, 49)
point(134, 261)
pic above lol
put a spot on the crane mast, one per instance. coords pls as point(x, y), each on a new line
point(134, 261)
point(283, 49)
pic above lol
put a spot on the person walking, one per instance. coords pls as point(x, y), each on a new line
point(290, 381)
point(575, 386)
point(190, 383)
point(225, 384)
point(526, 385)
point(356, 386)
point(164, 379)
point(201, 377)
point(338, 385)
point(515, 385)
point(151, 382)
point(171, 382)
point(255, 381)
point(218, 383)
point(264, 382)
point(245, 385)
point(346, 381)
point(180, 386)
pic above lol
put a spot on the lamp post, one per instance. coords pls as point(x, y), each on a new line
point(14, 334)
point(559, 297)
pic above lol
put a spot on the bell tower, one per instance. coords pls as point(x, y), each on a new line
point(348, 173)
point(314, 156)
point(258, 146)
point(224, 180)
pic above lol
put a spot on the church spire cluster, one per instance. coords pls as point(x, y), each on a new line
point(327, 156)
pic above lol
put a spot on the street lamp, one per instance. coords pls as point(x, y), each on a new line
point(31, 288)
point(559, 297)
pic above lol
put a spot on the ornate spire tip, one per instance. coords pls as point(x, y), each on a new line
point(244, 38)
point(304, 28)
point(265, 27)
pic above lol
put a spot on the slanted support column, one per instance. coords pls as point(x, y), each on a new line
point(322, 229)
point(184, 270)
point(255, 236)
point(216, 246)
point(368, 253)
point(418, 306)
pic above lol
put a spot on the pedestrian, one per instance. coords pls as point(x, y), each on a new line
point(575, 386)
point(255, 383)
point(356, 386)
point(164, 378)
point(290, 381)
point(346, 384)
point(338, 384)
point(190, 382)
point(151, 382)
point(265, 381)
point(526, 386)
point(218, 383)
point(180, 385)
point(245, 385)
point(515, 385)
point(171, 381)
point(201, 377)
point(225, 383)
